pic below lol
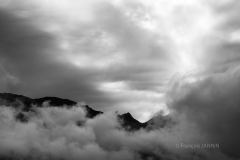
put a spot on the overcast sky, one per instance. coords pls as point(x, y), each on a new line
point(114, 54)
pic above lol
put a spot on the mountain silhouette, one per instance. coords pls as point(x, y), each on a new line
point(126, 120)
point(129, 123)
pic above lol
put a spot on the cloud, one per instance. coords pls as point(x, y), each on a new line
point(53, 51)
point(7, 79)
point(211, 104)
point(30, 55)
point(53, 133)
point(69, 49)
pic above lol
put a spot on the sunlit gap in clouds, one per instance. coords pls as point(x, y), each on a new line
point(187, 23)
point(134, 100)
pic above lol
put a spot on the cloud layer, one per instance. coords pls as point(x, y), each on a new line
point(211, 104)
point(65, 133)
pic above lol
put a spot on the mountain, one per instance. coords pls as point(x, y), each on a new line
point(129, 123)
point(126, 120)
point(26, 103)
point(159, 121)
point(156, 122)
point(54, 101)
point(14, 100)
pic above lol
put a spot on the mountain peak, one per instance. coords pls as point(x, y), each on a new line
point(127, 115)
point(129, 123)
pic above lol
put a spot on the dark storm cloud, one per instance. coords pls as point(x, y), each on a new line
point(46, 57)
point(31, 56)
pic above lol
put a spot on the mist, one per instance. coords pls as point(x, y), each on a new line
point(204, 110)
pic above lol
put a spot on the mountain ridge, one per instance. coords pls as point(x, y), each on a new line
point(126, 120)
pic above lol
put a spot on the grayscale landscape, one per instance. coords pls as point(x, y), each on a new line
point(119, 80)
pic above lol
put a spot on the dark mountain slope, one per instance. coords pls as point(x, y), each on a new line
point(26, 103)
point(14, 100)
point(129, 123)
point(54, 101)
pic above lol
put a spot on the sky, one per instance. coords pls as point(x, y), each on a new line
point(116, 55)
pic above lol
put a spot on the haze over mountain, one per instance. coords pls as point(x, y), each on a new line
point(54, 128)
point(24, 111)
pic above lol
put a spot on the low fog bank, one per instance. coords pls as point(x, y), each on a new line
point(65, 133)
point(204, 110)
